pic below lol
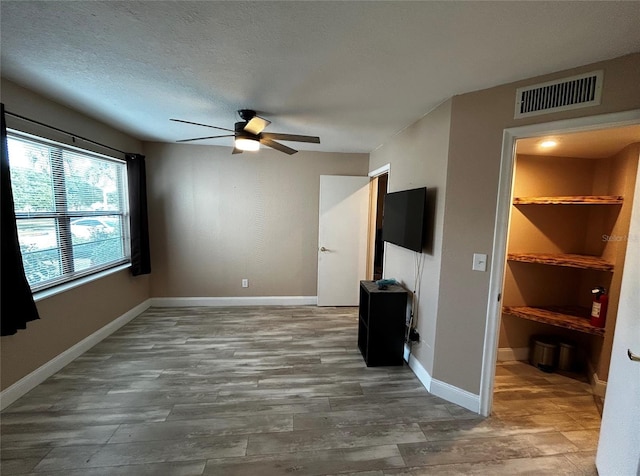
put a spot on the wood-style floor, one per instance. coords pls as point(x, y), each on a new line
point(281, 391)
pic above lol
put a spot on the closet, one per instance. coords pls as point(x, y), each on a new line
point(568, 234)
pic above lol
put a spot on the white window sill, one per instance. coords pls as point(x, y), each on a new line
point(47, 293)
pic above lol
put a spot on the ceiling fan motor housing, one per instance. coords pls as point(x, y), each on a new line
point(240, 132)
point(247, 114)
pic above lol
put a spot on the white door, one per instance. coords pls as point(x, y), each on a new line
point(619, 443)
point(342, 239)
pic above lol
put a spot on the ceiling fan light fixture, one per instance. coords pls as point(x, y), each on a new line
point(247, 144)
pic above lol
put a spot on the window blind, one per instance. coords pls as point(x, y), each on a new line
point(71, 210)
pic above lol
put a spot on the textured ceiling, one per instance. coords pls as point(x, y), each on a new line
point(353, 73)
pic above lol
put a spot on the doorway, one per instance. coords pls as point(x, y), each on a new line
point(378, 251)
point(565, 240)
point(501, 274)
point(378, 191)
point(567, 233)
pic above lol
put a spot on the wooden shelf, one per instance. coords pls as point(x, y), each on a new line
point(573, 200)
point(566, 260)
point(569, 317)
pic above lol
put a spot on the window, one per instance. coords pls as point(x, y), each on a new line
point(71, 210)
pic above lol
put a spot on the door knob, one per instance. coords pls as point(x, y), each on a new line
point(632, 356)
point(323, 249)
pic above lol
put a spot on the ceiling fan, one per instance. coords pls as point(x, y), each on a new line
point(248, 134)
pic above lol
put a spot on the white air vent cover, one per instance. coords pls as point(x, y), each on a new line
point(575, 92)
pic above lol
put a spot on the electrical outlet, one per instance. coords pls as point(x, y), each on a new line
point(245, 283)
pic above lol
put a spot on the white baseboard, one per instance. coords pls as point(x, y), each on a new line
point(440, 389)
point(598, 387)
point(506, 354)
point(29, 382)
point(417, 368)
point(456, 395)
point(234, 301)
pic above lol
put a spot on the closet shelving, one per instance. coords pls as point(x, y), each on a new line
point(571, 317)
point(572, 200)
point(563, 259)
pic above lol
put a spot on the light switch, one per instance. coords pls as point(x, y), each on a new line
point(479, 262)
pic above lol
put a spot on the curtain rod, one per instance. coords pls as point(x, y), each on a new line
point(73, 136)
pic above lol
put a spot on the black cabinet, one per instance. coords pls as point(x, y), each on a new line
point(381, 324)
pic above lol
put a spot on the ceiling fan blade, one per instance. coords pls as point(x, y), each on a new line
point(291, 137)
point(256, 125)
point(202, 138)
point(204, 125)
point(276, 145)
point(236, 151)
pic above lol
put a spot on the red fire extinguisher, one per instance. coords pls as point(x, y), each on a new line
point(599, 306)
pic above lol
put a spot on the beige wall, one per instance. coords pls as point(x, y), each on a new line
point(216, 218)
point(478, 120)
point(418, 158)
point(69, 317)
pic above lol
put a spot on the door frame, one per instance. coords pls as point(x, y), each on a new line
point(501, 227)
point(373, 197)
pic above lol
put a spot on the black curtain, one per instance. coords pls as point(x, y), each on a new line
point(140, 256)
point(17, 306)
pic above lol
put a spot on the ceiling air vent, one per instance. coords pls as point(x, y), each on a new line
point(575, 92)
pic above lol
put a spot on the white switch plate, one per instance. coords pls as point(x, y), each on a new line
point(245, 283)
point(479, 262)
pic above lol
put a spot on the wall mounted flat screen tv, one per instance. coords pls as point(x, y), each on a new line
point(403, 221)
